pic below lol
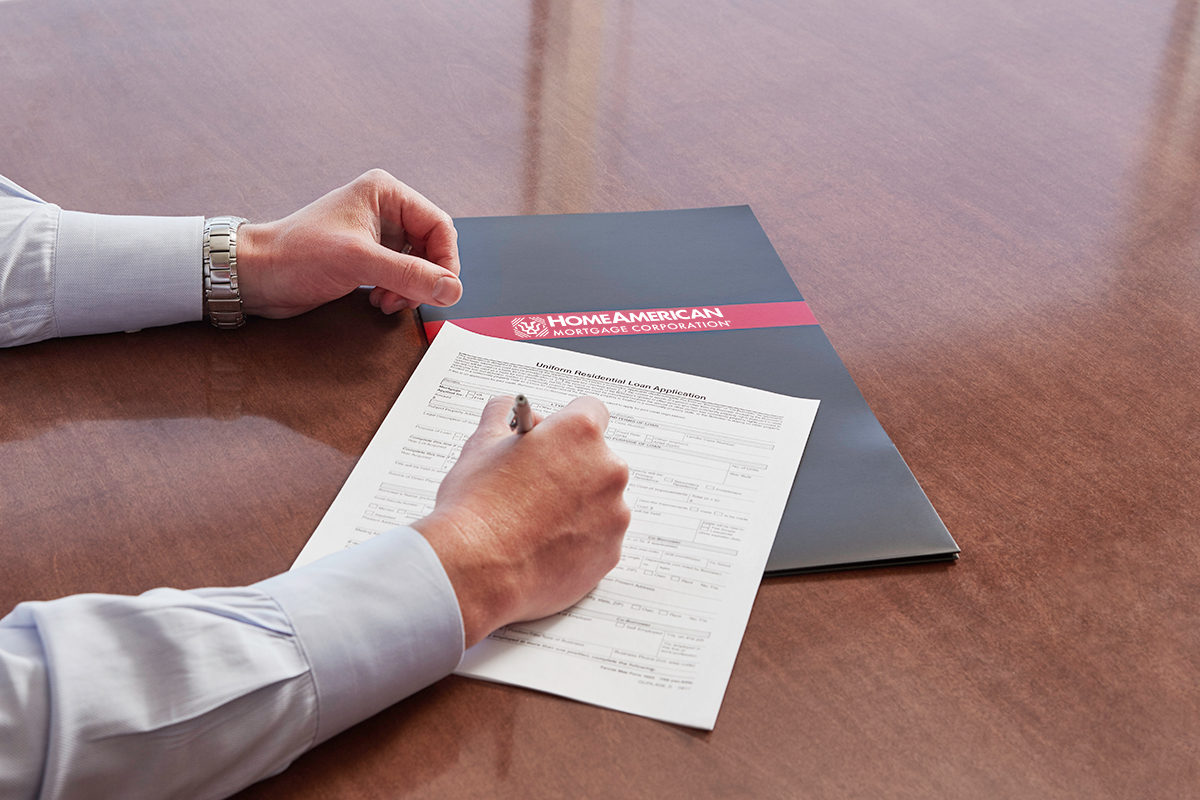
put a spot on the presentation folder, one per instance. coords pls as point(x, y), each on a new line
point(703, 291)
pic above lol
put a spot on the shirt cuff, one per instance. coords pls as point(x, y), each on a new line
point(120, 273)
point(378, 622)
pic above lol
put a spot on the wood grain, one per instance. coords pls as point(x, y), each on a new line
point(992, 207)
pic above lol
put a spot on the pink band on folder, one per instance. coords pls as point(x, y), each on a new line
point(684, 319)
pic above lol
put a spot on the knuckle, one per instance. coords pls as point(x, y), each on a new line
point(586, 428)
point(496, 404)
point(375, 178)
point(624, 516)
point(616, 533)
point(409, 275)
point(409, 272)
point(614, 558)
point(618, 474)
point(371, 185)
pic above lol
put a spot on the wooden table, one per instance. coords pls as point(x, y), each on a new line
point(992, 207)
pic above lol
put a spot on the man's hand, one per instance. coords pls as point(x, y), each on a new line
point(527, 524)
point(350, 237)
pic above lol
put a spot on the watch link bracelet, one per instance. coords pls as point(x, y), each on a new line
point(222, 300)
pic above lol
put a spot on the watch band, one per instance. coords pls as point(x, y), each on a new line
point(222, 300)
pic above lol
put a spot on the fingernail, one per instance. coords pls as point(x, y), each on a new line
point(447, 290)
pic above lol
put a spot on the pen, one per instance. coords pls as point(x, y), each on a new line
point(521, 418)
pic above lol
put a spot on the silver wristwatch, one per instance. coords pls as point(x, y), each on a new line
point(222, 300)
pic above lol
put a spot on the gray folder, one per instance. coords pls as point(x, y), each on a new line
point(855, 502)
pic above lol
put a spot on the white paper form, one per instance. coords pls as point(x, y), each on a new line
point(711, 465)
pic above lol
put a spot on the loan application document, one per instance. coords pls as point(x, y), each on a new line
point(711, 465)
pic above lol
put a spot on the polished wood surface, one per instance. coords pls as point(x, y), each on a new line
point(992, 207)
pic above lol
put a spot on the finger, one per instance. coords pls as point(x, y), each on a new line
point(411, 277)
point(493, 425)
point(494, 419)
point(429, 228)
point(387, 301)
point(391, 302)
point(391, 236)
point(587, 406)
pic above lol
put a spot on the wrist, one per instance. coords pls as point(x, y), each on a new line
point(486, 588)
point(252, 249)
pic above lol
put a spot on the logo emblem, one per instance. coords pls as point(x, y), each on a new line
point(530, 327)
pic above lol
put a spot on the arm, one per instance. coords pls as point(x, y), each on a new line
point(57, 275)
point(201, 693)
point(198, 694)
point(66, 273)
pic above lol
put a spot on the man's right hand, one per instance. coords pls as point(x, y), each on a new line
point(527, 524)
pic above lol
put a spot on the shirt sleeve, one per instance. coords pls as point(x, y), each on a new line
point(65, 273)
point(198, 694)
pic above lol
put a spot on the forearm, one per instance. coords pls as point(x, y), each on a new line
point(200, 693)
point(65, 273)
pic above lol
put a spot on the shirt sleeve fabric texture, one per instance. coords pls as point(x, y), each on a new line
point(66, 273)
point(197, 694)
point(188, 694)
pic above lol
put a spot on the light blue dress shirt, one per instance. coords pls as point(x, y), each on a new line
point(66, 273)
point(189, 694)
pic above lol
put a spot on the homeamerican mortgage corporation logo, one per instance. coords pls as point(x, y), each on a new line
point(530, 327)
point(608, 323)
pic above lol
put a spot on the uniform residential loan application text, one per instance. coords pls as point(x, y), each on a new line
point(711, 465)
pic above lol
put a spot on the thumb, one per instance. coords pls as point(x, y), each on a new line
point(493, 422)
point(415, 278)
